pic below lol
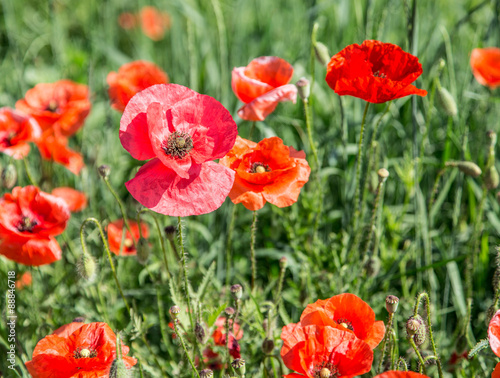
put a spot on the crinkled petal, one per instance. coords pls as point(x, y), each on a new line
point(262, 106)
point(34, 252)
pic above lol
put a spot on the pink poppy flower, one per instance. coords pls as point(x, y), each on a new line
point(261, 85)
point(181, 131)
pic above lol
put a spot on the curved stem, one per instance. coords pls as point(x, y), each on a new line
point(252, 248)
point(184, 271)
point(106, 247)
point(401, 360)
point(420, 359)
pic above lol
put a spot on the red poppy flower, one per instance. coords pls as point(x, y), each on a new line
point(127, 20)
point(88, 352)
point(67, 329)
point(76, 201)
point(24, 280)
point(29, 220)
point(267, 171)
point(485, 64)
point(115, 234)
point(496, 372)
point(312, 350)
point(494, 333)
point(16, 130)
point(235, 334)
point(346, 312)
point(401, 374)
point(261, 85)
point(54, 147)
point(154, 23)
point(61, 106)
point(132, 78)
point(181, 131)
point(375, 71)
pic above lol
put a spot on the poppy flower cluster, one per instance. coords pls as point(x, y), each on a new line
point(262, 85)
point(334, 338)
point(132, 78)
point(29, 220)
point(115, 235)
point(267, 171)
point(152, 21)
point(60, 109)
point(374, 71)
point(485, 64)
point(77, 350)
point(180, 132)
point(16, 131)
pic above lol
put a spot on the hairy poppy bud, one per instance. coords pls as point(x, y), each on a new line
point(104, 171)
point(143, 251)
point(199, 332)
point(229, 311)
point(283, 262)
point(239, 366)
point(86, 267)
point(174, 311)
point(382, 174)
point(303, 88)
point(9, 176)
point(467, 167)
point(206, 373)
point(267, 346)
point(391, 304)
point(322, 53)
point(237, 291)
point(170, 232)
point(491, 178)
point(415, 328)
point(119, 369)
point(447, 102)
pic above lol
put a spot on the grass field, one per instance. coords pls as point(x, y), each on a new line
point(435, 231)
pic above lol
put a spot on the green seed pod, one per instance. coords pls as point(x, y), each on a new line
point(491, 178)
point(87, 267)
point(283, 262)
point(237, 291)
point(119, 369)
point(143, 251)
point(447, 102)
point(391, 304)
point(467, 167)
point(174, 311)
point(303, 88)
point(382, 174)
point(9, 176)
point(322, 53)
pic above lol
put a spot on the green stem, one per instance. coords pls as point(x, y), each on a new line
point(26, 167)
point(184, 271)
point(221, 28)
point(401, 360)
point(122, 208)
point(280, 287)
point(252, 129)
point(160, 236)
point(252, 248)
point(307, 114)
point(371, 234)
point(417, 352)
point(228, 244)
point(386, 338)
point(183, 344)
point(103, 238)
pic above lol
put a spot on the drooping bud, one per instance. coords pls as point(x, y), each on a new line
point(283, 262)
point(170, 232)
point(322, 53)
point(87, 267)
point(174, 311)
point(199, 332)
point(491, 178)
point(104, 171)
point(391, 304)
point(382, 174)
point(9, 176)
point(467, 167)
point(267, 346)
point(229, 311)
point(143, 251)
point(415, 328)
point(239, 366)
point(447, 102)
point(237, 291)
point(206, 373)
point(303, 88)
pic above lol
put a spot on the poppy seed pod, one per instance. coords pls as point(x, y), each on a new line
point(283, 262)
point(8, 177)
point(174, 311)
point(87, 268)
point(237, 291)
point(303, 88)
point(391, 304)
point(467, 167)
point(206, 373)
point(322, 54)
point(491, 178)
point(447, 102)
point(239, 366)
point(229, 311)
point(382, 174)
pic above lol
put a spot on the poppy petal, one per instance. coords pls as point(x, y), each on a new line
point(262, 106)
point(76, 201)
point(34, 252)
point(55, 148)
point(485, 64)
point(496, 372)
point(494, 333)
point(401, 374)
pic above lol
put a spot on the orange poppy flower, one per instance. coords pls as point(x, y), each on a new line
point(127, 20)
point(401, 374)
point(267, 171)
point(115, 233)
point(29, 220)
point(76, 201)
point(154, 23)
point(88, 352)
point(16, 130)
point(485, 64)
point(315, 350)
point(346, 312)
point(53, 146)
point(132, 78)
point(67, 329)
point(496, 372)
point(261, 85)
point(61, 106)
point(24, 280)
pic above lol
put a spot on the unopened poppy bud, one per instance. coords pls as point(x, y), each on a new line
point(467, 167)
point(391, 304)
point(239, 366)
point(492, 136)
point(382, 174)
point(303, 88)
point(174, 311)
point(412, 325)
point(229, 311)
point(324, 373)
point(119, 369)
point(170, 232)
point(9, 176)
point(104, 171)
point(322, 53)
point(237, 291)
point(199, 332)
point(267, 346)
point(143, 251)
point(87, 267)
point(206, 373)
point(283, 262)
point(447, 102)
point(491, 178)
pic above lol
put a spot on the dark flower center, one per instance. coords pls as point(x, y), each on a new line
point(379, 74)
point(259, 168)
point(26, 224)
point(345, 323)
point(178, 145)
point(325, 370)
point(52, 106)
point(6, 139)
point(84, 353)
